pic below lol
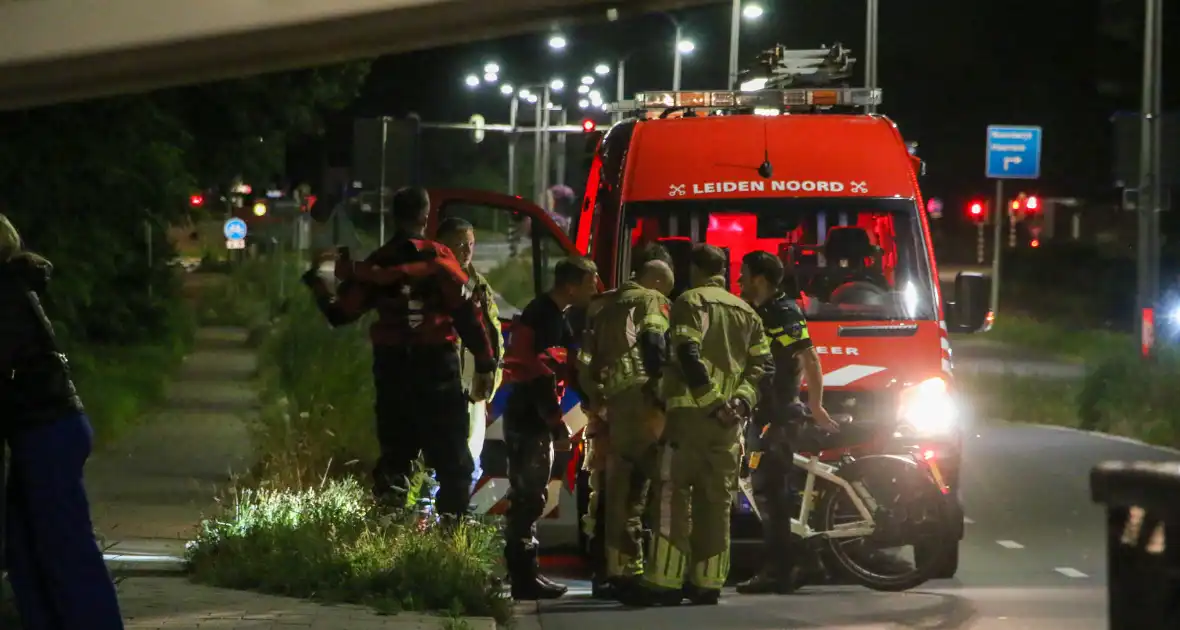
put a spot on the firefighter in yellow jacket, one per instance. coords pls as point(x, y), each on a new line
point(622, 358)
point(719, 355)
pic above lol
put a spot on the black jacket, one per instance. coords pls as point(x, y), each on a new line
point(35, 384)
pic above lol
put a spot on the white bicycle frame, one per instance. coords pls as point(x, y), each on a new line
point(861, 499)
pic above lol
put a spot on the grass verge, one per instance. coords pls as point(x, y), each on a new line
point(1121, 394)
point(329, 543)
point(302, 522)
point(1061, 339)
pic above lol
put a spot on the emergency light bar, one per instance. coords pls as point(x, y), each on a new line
point(761, 99)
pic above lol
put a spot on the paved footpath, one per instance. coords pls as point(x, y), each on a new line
point(150, 489)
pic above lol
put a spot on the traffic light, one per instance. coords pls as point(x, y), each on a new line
point(196, 201)
point(1032, 204)
point(588, 125)
point(977, 211)
point(260, 209)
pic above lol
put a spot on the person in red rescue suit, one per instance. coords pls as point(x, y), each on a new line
point(536, 362)
point(424, 303)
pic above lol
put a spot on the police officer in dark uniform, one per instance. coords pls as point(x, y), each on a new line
point(779, 408)
point(537, 364)
point(425, 303)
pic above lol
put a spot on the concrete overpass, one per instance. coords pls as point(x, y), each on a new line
point(54, 51)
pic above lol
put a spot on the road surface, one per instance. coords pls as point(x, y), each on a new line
point(1033, 557)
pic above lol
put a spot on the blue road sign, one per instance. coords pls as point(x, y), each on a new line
point(1013, 152)
point(235, 229)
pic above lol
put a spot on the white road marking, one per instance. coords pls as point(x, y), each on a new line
point(1070, 572)
point(968, 521)
point(1105, 436)
point(1009, 544)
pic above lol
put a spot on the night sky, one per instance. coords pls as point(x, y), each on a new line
point(948, 68)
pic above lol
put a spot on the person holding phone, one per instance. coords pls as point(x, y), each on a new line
point(536, 364)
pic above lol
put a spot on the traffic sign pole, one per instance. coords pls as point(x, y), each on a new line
point(980, 247)
point(1150, 190)
point(997, 227)
point(1013, 152)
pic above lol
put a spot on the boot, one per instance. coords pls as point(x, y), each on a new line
point(527, 583)
point(603, 588)
point(698, 596)
point(635, 593)
point(769, 582)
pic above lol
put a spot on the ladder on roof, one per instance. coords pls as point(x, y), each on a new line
point(782, 80)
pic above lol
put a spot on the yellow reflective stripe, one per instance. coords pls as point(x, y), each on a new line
point(688, 333)
point(760, 349)
point(584, 357)
point(784, 340)
point(711, 573)
point(680, 402)
point(665, 565)
point(710, 397)
point(747, 393)
point(804, 333)
point(655, 323)
point(775, 331)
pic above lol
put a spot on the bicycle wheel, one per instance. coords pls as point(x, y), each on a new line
point(910, 513)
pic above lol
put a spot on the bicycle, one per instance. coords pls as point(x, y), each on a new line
point(908, 507)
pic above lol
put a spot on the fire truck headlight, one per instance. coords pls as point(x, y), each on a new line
point(927, 409)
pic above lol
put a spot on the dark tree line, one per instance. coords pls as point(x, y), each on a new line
point(84, 181)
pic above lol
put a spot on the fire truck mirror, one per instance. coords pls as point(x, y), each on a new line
point(970, 308)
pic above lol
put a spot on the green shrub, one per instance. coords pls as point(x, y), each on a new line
point(329, 543)
point(1121, 394)
point(1124, 394)
point(118, 384)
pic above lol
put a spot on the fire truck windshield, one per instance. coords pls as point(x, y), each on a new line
point(846, 259)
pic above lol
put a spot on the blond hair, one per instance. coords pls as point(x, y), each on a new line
point(10, 244)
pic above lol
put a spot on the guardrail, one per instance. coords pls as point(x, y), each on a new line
point(1142, 501)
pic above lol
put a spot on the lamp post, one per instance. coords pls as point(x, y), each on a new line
point(749, 12)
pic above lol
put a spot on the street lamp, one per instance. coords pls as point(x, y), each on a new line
point(491, 77)
point(472, 81)
point(558, 42)
point(557, 85)
point(506, 90)
point(584, 103)
point(602, 69)
point(587, 80)
point(685, 46)
point(491, 68)
point(583, 89)
point(752, 11)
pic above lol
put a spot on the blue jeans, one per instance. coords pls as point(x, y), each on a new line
point(54, 563)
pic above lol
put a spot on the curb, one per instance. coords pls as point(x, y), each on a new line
point(145, 556)
point(526, 616)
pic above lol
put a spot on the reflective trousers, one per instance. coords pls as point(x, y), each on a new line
point(635, 427)
point(692, 491)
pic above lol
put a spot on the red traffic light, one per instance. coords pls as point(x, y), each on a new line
point(1032, 203)
point(196, 201)
point(976, 209)
point(589, 125)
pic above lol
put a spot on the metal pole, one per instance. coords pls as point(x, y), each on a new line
point(537, 165)
point(147, 235)
point(620, 85)
point(871, 48)
point(513, 109)
point(676, 60)
point(1157, 177)
point(997, 224)
point(1011, 229)
point(979, 244)
point(547, 166)
point(735, 32)
point(559, 176)
point(1146, 203)
point(381, 192)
